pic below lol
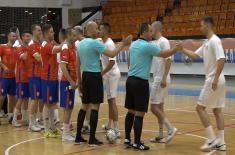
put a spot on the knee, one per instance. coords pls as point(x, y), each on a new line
point(154, 108)
point(199, 109)
point(216, 111)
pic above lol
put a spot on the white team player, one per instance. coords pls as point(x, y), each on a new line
point(213, 92)
point(160, 86)
point(111, 75)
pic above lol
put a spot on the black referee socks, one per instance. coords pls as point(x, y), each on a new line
point(138, 125)
point(93, 123)
point(128, 125)
point(80, 120)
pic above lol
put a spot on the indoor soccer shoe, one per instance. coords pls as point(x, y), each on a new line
point(140, 146)
point(68, 137)
point(157, 140)
point(16, 123)
point(57, 132)
point(95, 142)
point(171, 135)
point(220, 147)
point(49, 134)
point(128, 143)
point(208, 146)
point(80, 140)
point(34, 128)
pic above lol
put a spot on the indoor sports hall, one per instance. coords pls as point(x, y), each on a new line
point(188, 25)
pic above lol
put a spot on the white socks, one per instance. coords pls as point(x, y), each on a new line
point(167, 124)
point(46, 112)
point(66, 129)
point(86, 123)
point(210, 133)
point(16, 112)
point(220, 136)
point(57, 118)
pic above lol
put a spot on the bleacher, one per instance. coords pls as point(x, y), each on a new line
point(184, 20)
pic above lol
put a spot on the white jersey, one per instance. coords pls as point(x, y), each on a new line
point(114, 72)
point(211, 51)
point(158, 64)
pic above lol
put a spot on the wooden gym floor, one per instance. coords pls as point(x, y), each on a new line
point(179, 110)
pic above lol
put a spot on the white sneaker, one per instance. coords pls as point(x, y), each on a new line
point(208, 146)
point(220, 147)
point(16, 123)
point(171, 135)
point(34, 128)
point(68, 137)
point(39, 124)
point(2, 114)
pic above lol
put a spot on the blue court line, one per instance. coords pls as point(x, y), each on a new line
point(184, 92)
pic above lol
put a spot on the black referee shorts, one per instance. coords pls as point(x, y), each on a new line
point(92, 88)
point(137, 94)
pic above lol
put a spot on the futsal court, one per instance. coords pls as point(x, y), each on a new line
point(63, 25)
point(180, 107)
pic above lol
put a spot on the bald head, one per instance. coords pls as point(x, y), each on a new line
point(157, 25)
point(92, 29)
point(157, 29)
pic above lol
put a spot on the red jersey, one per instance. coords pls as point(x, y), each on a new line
point(68, 56)
point(8, 58)
point(49, 62)
point(34, 65)
point(21, 65)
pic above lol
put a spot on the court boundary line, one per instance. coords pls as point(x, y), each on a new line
point(7, 151)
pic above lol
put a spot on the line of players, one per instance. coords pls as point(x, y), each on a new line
point(37, 73)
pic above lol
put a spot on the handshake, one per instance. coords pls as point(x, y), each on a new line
point(178, 46)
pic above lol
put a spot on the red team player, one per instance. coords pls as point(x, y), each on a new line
point(7, 83)
point(68, 81)
point(49, 77)
point(34, 73)
point(22, 87)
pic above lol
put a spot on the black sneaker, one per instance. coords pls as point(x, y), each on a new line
point(140, 146)
point(80, 140)
point(95, 142)
point(128, 144)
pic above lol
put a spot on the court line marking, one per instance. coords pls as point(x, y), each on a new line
point(22, 142)
point(26, 141)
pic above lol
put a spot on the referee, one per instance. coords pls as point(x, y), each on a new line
point(137, 85)
point(91, 84)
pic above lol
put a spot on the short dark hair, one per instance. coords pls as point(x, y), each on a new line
point(25, 32)
point(143, 28)
point(107, 26)
point(208, 20)
point(34, 26)
point(68, 31)
point(9, 32)
point(46, 28)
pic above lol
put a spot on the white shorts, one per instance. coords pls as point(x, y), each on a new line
point(212, 99)
point(158, 94)
point(112, 86)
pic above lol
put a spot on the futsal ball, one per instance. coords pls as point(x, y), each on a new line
point(111, 135)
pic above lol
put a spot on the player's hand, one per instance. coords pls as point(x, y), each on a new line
point(6, 70)
point(38, 57)
point(215, 84)
point(163, 83)
point(127, 41)
point(179, 45)
point(24, 56)
point(73, 85)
